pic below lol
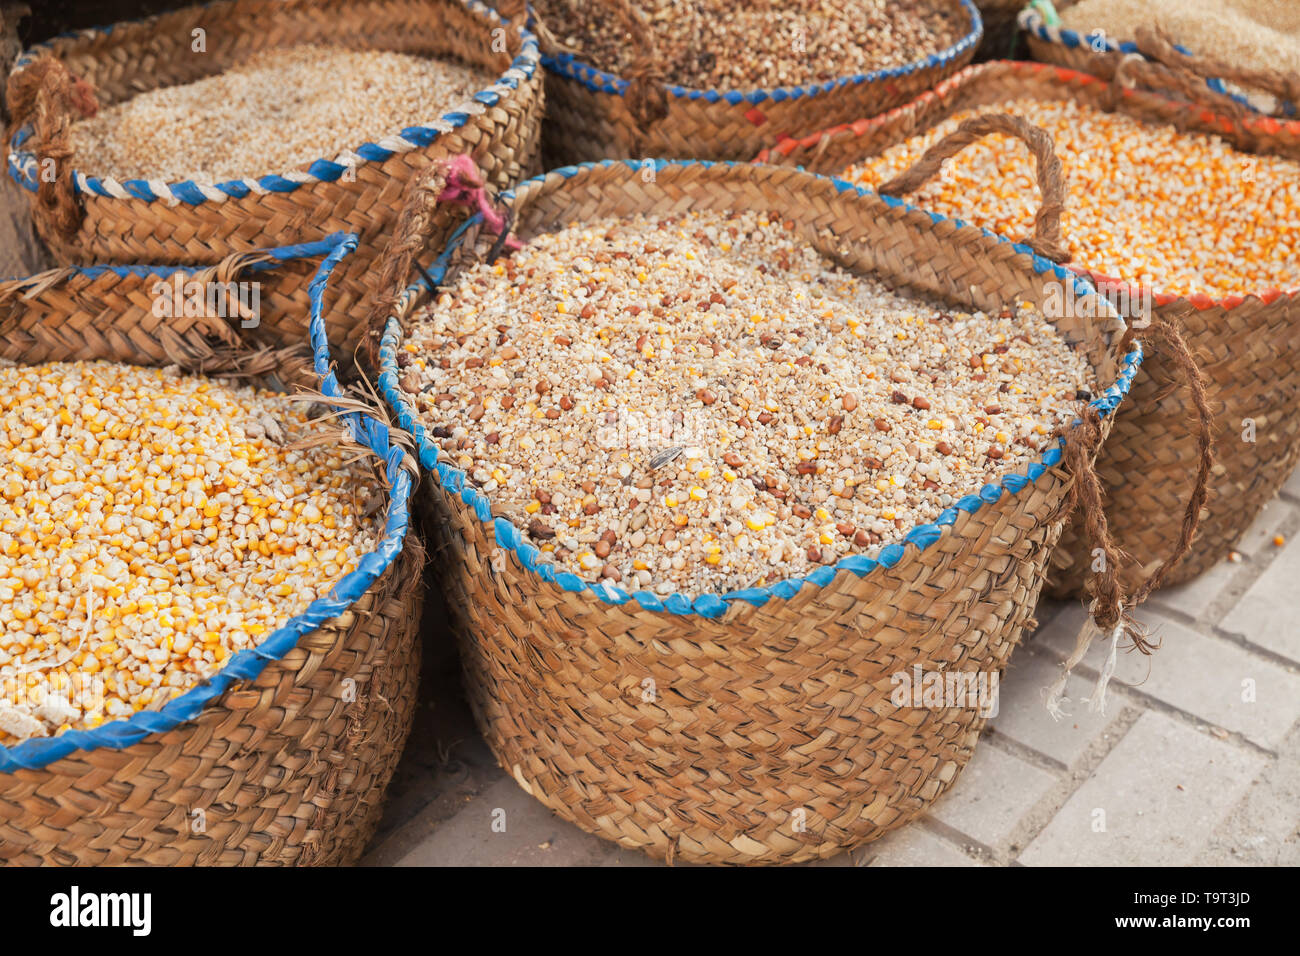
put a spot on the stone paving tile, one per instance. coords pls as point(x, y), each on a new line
point(1257, 539)
point(1022, 716)
point(1292, 487)
point(1160, 793)
point(533, 836)
point(1268, 614)
point(1194, 597)
point(991, 795)
point(1199, 675)
point(913, 846)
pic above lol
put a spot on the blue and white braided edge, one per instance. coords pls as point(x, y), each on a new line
point(23, 163)
point(246, 665)
point(567, 65)
point(1031, 21)
point(510, 537)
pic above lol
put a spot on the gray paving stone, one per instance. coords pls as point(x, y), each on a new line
point(991, 796)
point(914, 846)
point(1194, 597)
point(1022, 716)
point(1200, 675)
point(1268, 614)
point(1257, 539)
point(533, 836)
point(1162, 790)
point(1292, 487)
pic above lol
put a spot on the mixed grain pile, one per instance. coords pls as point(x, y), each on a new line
point(279, 110)
point(1183, 213)
point(717, 44)
point(151, 525)
point(706, 403)
point(1255, 34)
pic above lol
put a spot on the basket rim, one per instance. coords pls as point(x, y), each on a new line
point(713, 606)
point(599, 81)
point(23, 163)
point(1032, 21)
point(37, 752)
point(1054, 73)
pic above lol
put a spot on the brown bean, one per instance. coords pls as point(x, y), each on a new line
point(921, 404)
point(835, 424)
point(882, 425)
point(849, 401)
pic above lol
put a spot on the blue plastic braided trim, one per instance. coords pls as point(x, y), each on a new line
point(510, 537)
point(567, 65)
point(1032, 21)
point(246, 665)
point(23, 164)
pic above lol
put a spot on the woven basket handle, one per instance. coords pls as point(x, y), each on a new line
point(1046, 240)
point(1156, 45)
point(1134, 71)
point(457, 181)
point(48, 97)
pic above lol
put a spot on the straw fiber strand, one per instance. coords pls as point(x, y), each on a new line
point(287, 768)
point(708, 738)
point(503, 138)
point(1248, 349)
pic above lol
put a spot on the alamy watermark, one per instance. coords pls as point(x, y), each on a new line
point(181, 297)
point(936, 690)
point(1130, 302)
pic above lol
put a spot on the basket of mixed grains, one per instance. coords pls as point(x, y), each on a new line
point(705, 79)
point(714, 457)
point(233, 126)
point(208, 592)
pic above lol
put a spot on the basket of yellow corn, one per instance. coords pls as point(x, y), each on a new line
point(168, 139)
point(1180, 215)
point(208, 589)
point(704, 490)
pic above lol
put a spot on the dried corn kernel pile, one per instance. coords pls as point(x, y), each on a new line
point(151, 525)
point(706, 403)
point(1188, 211)
point(277, 110)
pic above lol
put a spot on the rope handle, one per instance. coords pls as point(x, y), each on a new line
point(1110, 608)
point(1156, 45)
point(647, 99)
point(1134, 71)
point(50, 98)
point(1046, 240)
point(456, 181)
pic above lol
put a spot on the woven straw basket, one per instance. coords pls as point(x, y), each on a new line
point(589, 116)
point(771, 736)
point(1248, 347)
point(86, 219)
point(283, 756)
point(1160, 65)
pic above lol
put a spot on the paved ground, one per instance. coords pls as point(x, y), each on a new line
point(1196, 761)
